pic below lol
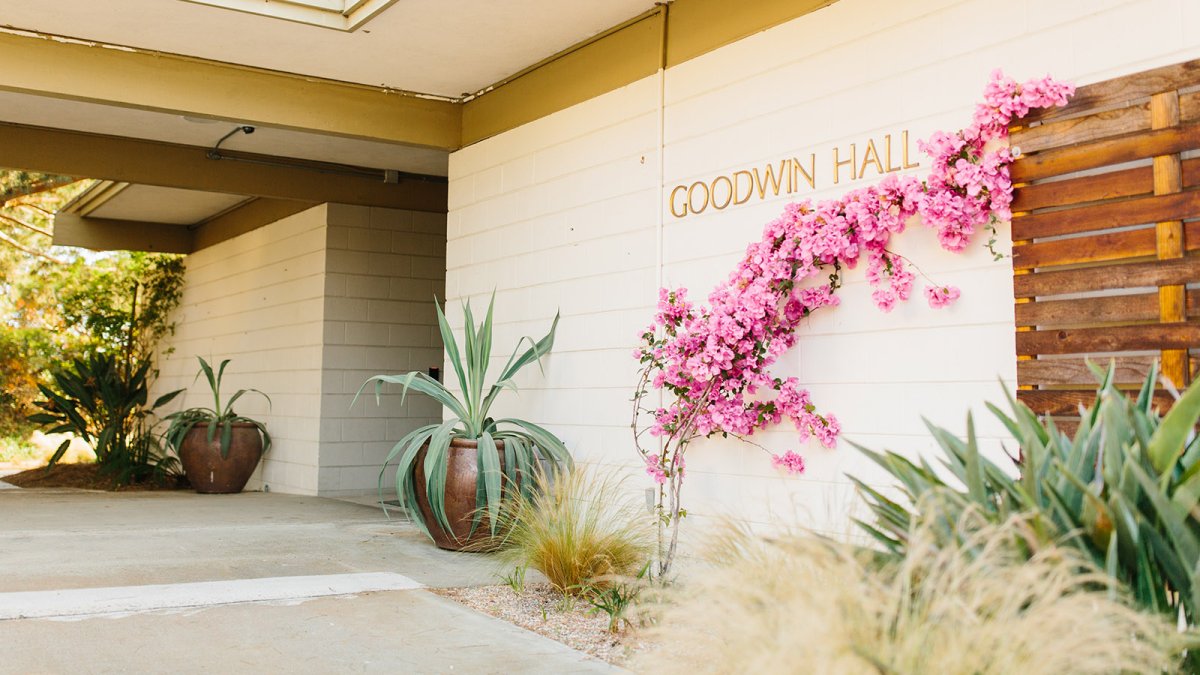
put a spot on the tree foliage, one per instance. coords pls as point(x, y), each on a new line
point(58, 304)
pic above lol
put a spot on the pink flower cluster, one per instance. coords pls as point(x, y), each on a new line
point(789, 461)
point(656, 469)
point(714, 360)
point(940, 296)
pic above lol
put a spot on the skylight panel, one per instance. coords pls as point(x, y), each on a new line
point(346, 15)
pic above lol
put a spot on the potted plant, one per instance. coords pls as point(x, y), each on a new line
point(451, 476)
point(218, 448)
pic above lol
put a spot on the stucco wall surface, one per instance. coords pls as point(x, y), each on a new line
point(563, 214)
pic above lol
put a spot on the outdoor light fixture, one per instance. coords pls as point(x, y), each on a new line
point(215, 153)
point(391, 176)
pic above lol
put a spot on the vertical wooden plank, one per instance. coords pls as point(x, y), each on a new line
point(1021, 384)
point(1168, 179)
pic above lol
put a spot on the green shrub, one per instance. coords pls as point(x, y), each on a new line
point(799, 603)
point(24, 353)
point(103, 401)
point(580, 529)
point(17, 449)
point(1123, 491)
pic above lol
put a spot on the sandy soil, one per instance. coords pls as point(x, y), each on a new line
point(541, 609)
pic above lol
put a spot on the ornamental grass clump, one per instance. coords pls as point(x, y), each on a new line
point(581, 529)
point(800, 603)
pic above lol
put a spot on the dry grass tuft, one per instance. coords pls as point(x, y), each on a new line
point(802, 604)
point(581, 530)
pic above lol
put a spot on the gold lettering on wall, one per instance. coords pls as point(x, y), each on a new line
point(838, 164)
point(887, 139)
point(682, 210)
point(904, 145)
point(870, 156)
point(737, 176)
point(769, 180)
point(691, 190)
point(791, 175)
point(728, 190)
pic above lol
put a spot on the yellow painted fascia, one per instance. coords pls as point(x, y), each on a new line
point(701, 26)
point(622, 56)
point(663, 37)
point(243, 218)
point(103, 234)
point(72, 153)
point(74, 70)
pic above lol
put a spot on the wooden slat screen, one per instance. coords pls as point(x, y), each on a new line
point(1106, 234)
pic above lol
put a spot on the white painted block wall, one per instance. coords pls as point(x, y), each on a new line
point(383, 269)
point(562, 213)
point(307, 308)
point(258, 299)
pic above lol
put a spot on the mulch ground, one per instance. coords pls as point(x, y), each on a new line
point(541, 609)
point(86, 476)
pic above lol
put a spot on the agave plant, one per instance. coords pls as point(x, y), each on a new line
point(220, 417)
point(526, 445)
point(1125, 490)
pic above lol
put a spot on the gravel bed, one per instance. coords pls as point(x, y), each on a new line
point(542, 610)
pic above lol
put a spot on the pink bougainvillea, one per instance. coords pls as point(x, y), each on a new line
point(941, 296)
point(789, 461)
point(713, 360)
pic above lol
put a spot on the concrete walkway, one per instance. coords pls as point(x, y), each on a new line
point(252, 583)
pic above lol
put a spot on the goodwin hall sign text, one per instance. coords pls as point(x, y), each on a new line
point(793, 174)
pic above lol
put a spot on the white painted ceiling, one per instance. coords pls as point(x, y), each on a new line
point(444, 47)
point(165, 205)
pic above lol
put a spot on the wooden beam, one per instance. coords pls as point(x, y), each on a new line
point(1106, 152)
point(1122, 90)
point(1169, 233)
point(142, 80)
point(246, 217)
point(183, 166)
point(1067, 401)
point(1127, 275)
point(102, 234)
point(1110, 339)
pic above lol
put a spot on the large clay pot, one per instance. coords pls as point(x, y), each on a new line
point(462, 471)
point(210, 473)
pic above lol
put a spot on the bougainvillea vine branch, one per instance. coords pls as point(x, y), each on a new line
point(713, 361)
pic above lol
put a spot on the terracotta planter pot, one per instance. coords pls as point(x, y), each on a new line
point(462, 471)
point(210, 473)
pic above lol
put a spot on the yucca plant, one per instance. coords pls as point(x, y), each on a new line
point(526, 445)
point(1124, 491)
